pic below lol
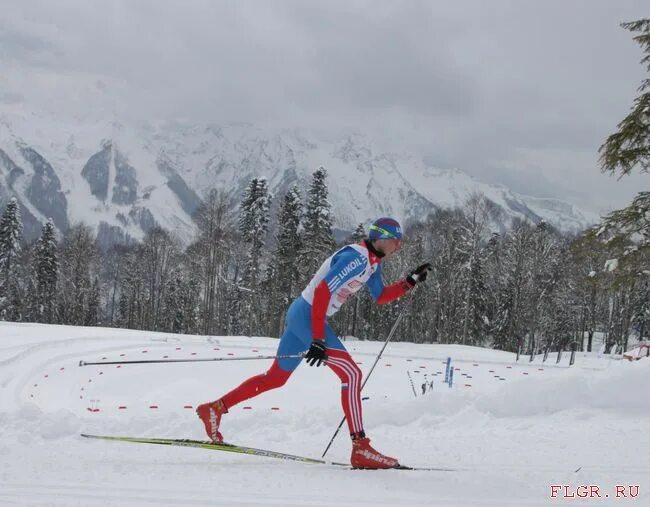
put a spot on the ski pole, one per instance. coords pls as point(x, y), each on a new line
point(149, 361)
point(390, 335)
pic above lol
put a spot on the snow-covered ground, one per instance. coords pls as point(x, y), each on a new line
point(513, 430)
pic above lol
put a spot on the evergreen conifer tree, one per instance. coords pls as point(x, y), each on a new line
point(253, 225)
point(629, 148)
point(318, 240)
point(46, 273)
point(285, 258)
point(359, 233)
point(10, 249)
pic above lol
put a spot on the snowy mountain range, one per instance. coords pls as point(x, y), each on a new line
point(124, 179)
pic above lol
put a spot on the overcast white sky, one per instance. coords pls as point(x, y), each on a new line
point(515, 92)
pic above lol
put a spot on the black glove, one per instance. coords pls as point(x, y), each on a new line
point(316, 353)
point(419, 274)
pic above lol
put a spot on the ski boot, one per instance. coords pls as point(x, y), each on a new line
point(210, 414)
point(364, 456)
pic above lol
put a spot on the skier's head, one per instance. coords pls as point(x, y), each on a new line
point(386, 235)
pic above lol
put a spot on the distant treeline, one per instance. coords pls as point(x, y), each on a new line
point(529, 284)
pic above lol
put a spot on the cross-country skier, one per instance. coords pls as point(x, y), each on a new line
point(338, 278)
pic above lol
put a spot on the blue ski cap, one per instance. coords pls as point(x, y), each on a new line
point(385, 228)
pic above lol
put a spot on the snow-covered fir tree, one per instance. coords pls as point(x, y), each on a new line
point(359, 233)
point(253, 225)
point(289, 243)
point(10, 249)
point(46, 273)
point(318, 241)
point(625, 151)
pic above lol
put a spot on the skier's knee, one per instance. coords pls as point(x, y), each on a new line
point(276, 376)
point(346, 369)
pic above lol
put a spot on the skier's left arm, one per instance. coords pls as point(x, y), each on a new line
point(383, 294)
